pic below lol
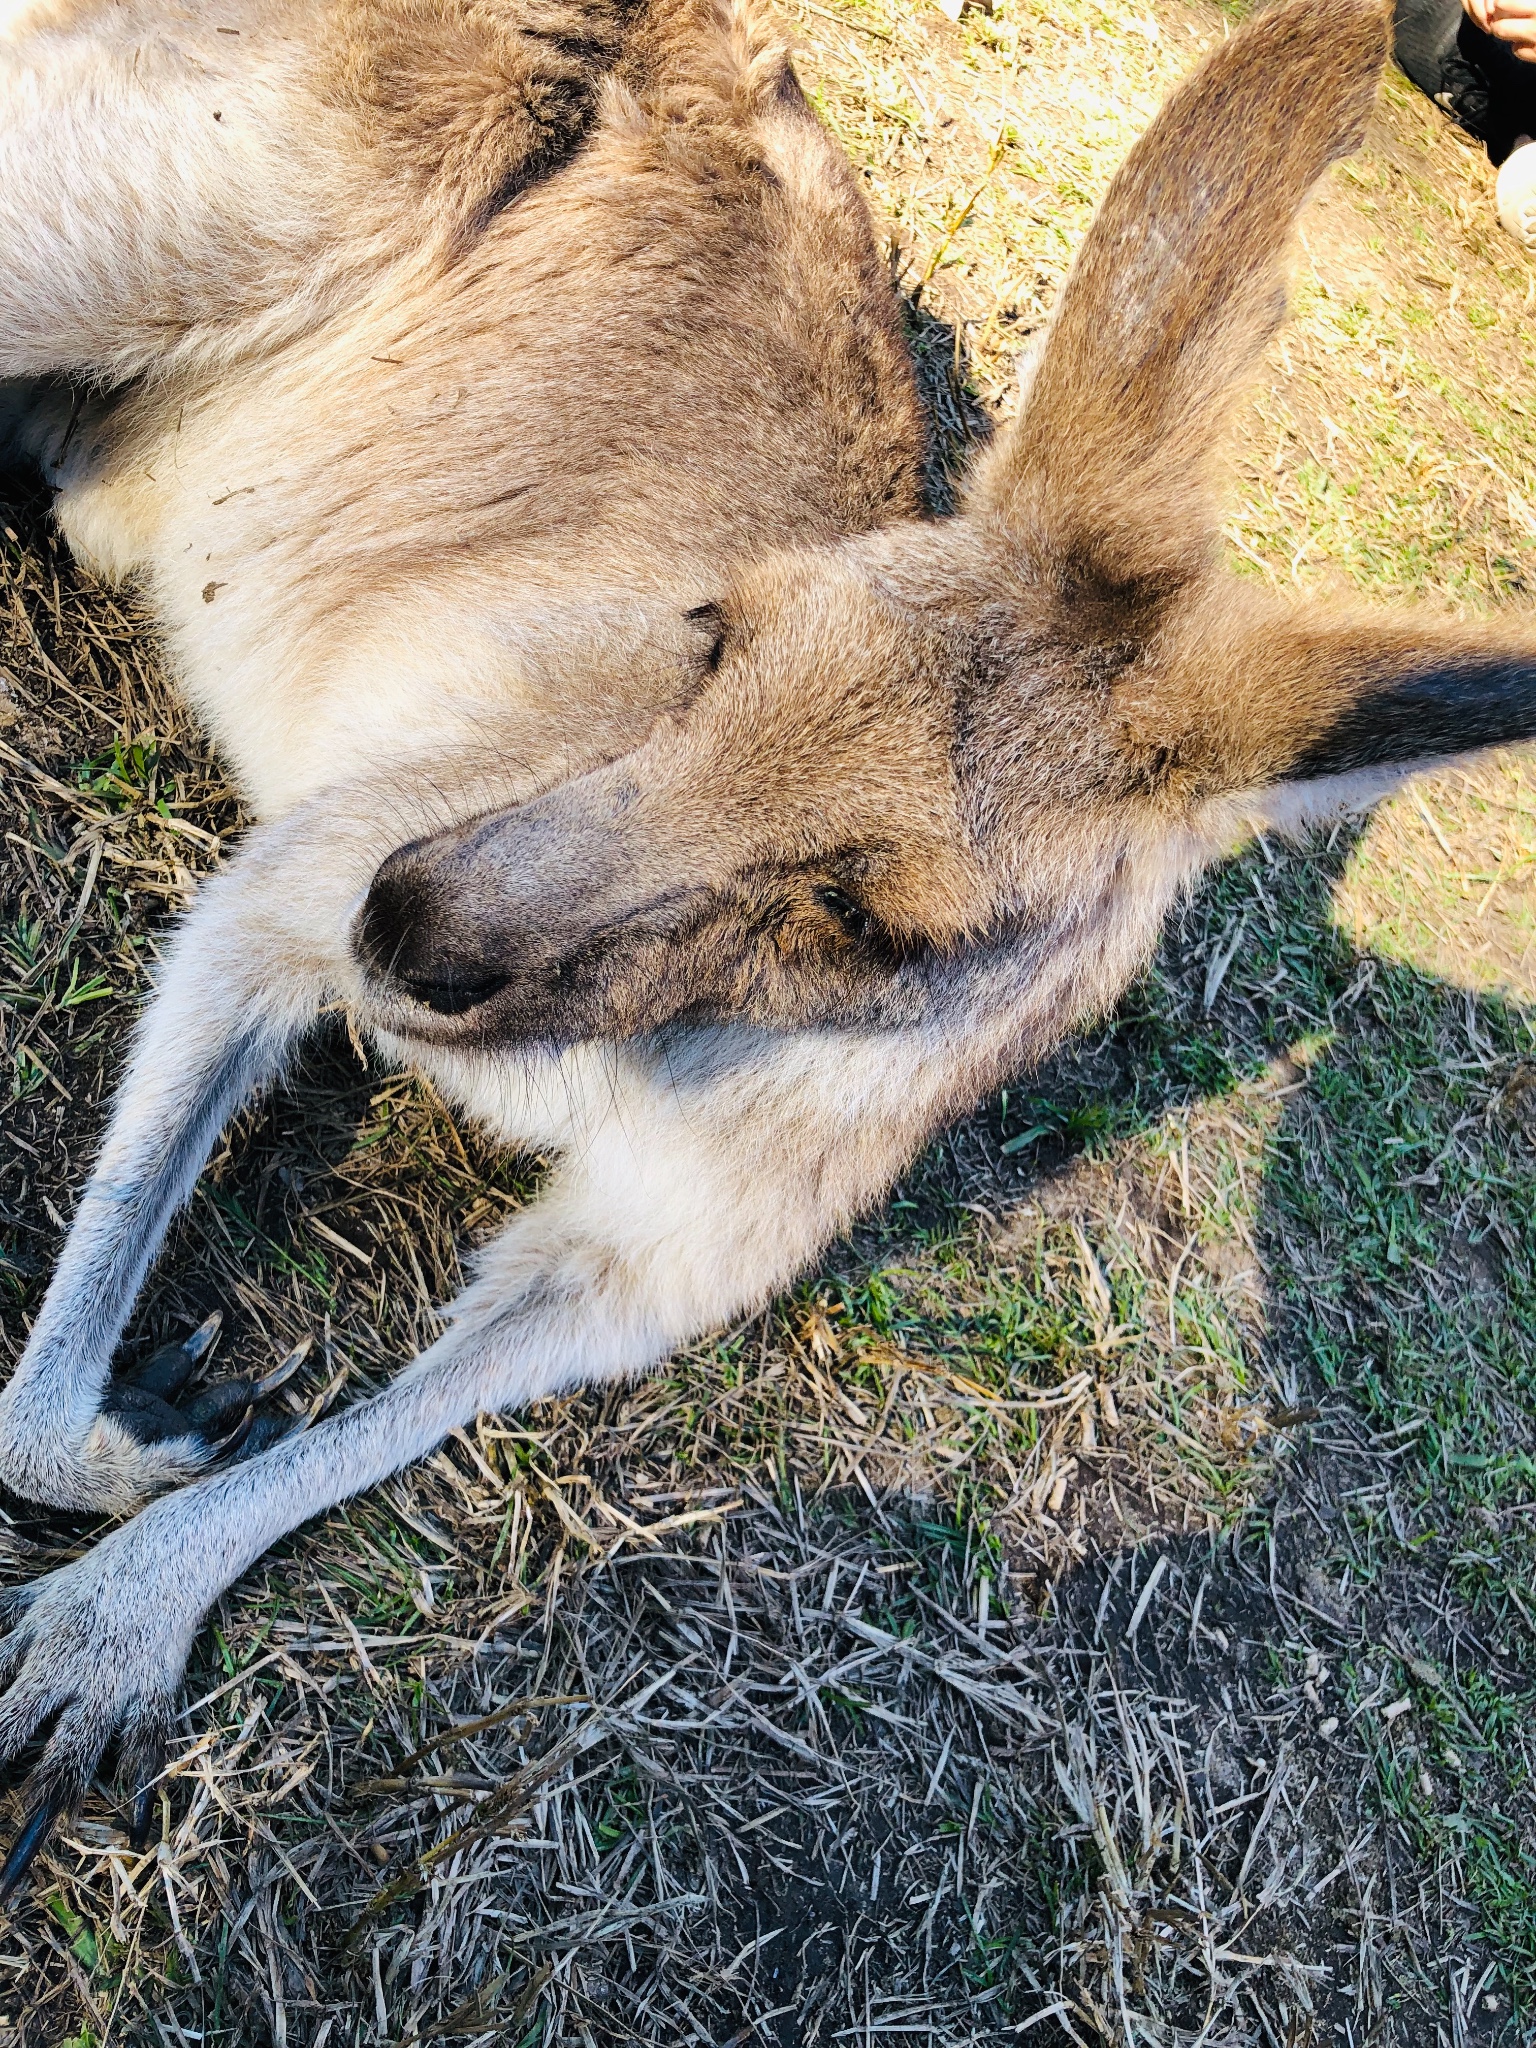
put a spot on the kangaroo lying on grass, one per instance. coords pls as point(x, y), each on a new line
point(504, 404)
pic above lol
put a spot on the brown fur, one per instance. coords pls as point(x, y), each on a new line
point(468, 101)
point(1179, 286)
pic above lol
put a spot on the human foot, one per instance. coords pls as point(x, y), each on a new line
point(1515, 192)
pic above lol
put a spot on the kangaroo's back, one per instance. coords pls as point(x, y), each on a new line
point(686, 335)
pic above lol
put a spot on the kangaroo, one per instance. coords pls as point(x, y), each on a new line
point(504, 406)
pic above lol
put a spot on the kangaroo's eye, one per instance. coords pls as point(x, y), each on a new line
point(711, 620)
point(853, 917)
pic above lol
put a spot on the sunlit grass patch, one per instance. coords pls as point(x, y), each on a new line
point(1084, 1362)
point(1445, 879)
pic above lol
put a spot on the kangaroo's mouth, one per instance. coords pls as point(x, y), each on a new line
point(452, 993)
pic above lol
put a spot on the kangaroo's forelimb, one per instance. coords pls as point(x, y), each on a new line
point(226, 1016)
point(263, 949)
point(259, 954)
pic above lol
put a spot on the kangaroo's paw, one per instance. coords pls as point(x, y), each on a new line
point(97, 1650)
point(150, 1433)
point(149, 1425)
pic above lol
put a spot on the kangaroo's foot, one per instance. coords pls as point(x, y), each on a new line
point(150, 1433)
point(96, 1650)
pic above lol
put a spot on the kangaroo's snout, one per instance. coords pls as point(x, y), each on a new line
point(405, 937)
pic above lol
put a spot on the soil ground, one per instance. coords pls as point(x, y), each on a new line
point(1096, 1607)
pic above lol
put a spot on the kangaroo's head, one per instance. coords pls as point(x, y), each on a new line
point(948, 735)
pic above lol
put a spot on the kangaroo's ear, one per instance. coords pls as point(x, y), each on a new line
point(1243, 694)
point(1106, 478)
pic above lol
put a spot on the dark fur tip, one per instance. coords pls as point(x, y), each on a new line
point(1456, 705)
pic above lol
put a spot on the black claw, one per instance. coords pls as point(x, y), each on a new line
point(228, 1451)
point(214, 1411)
point(141, 1819)
point(222, 1414)
point(142, 1400)
point(167, 1372)
point(261, 1433)
point(144, 1774)
point(36, 1829)
point(141, 1752)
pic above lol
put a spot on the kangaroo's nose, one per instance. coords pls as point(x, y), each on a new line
point(404, 935)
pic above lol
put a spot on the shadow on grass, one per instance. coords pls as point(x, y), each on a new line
point(1273, 1780)
point(1376, 1605)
